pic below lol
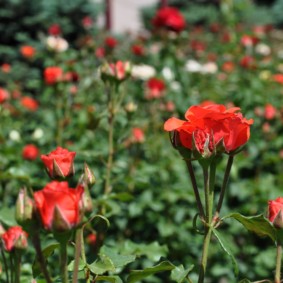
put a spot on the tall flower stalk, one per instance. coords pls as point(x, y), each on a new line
point(207, 134)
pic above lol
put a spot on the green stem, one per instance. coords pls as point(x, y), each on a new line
point(63, 261)
point(12, 268)
point(111, 114)
point(209, 180)
point(224, 186)
point(278, 263)
point(77, 254)
point(17, 255)
point(40, 257)
point(195, 188)
point(5, 264)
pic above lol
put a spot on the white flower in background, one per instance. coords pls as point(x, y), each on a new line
point(167, 74)
point(143, 72)
point(262, 49)
point(280, 54)
point(209, 68)
point(14, 135)
point(57, 43)
point(193, 66)
point(175, 86)
point(37, 134)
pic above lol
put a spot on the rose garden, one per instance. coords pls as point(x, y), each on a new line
point(149, 157)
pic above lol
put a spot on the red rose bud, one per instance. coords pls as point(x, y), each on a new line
point(55, 30)
point(4, 95)
point(24, 207)
point(59, 207)
point(29, 103)
point(59, 163)
point(110, 42)
point(27, 51)
point(275, 213)
point(91, 239)
point(15, 237)
point(209, 127)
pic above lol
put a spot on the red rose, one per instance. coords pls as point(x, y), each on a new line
point(30, 152)
point(87, 22)
point(210, 125)
point(275, 212)
point(248, 62)
point(59, 206)
point(100, 52)
point(4, 95)
point(248, 40)
point(170, 18)
point(278, 78)
point(27, 51)
point(54, 30)
point(29, 103)
point(15, 237)
point(91, 239)
point(137, 135)
point(118, 71)
point(110, 42)
point(53, 75)
point(155, 88)
point(59, 162)
point(6, 68)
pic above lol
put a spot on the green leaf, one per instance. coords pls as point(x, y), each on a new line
point(118, 260)
point(110, 260)
point(179, 273)
point(257, 224)
point(102, 265)
point(137, 275)
point(8, 216)
point(82, 265)
point(47, 251)
point(245, 281)
point(122, 196)
point(226, 247)
point(112, 279)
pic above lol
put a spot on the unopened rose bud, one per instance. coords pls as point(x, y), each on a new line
point(275, 214)
point(89, 177)
point(24, 207)
point(87, 201)
point(15, 237)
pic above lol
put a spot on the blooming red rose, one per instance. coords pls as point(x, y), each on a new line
point(170, 18)
point(29, 103)
point(155, 88)
point(278, 78)
point(55, 30)
point(53, 75)
point(15, 237)
point(27, 51)
point(59, 206)
point(275, 212)
point(4, 95)
point(59, 162)
point(249, 40)
point(30, 152)
point(210, 125)
point(110, 42)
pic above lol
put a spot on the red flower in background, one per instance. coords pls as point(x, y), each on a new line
point(29, 103)
point(4, 95)
point(137, 50)
point(54, 30)
point(110, 42)
point(15, 237)
point(59, 162)
point(228, 66)
point(30, 152)
point(249, 40)
point(53, 75)
point(6, 68)
point(59, 206)
point(87, 22)
point(269, 111)
point(155, 88)
point(100, 52)
point(248, 62)
point(170, 18)
point(210, 125)
point(278, 78)
point(27, 51)
point(275, 212)
point(137, 135)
